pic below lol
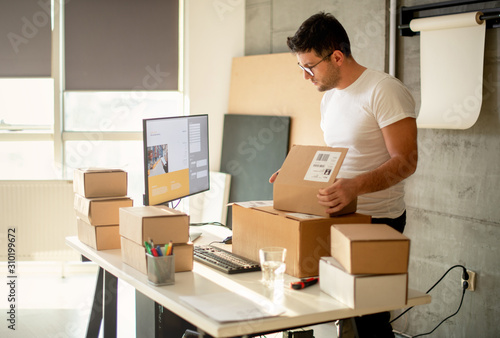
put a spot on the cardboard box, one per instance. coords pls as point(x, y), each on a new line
point(134, 254)
point(370, 248)
point(91, 183)
point(306, 170)
point(100, 211)
point(159, 223)
point(362, 291)
point(306, 237)
point(99, 238)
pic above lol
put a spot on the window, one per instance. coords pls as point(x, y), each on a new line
point(26, 129)
point(26, 104)
point(74, 93)
point(117, 111)
point(25, 159)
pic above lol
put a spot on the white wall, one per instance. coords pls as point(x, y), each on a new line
point(214, 34)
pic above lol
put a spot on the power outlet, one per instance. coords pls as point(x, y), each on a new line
point(471, 281)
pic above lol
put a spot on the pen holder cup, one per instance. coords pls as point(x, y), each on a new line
point(161, 270)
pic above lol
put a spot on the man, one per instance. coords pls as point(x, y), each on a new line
point(373, 115)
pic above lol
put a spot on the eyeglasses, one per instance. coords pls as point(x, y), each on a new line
point(308, 70)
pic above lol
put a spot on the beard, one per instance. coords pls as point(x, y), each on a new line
point(331, 78)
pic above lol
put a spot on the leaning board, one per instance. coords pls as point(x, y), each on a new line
point(274, 84)
point(253, 148)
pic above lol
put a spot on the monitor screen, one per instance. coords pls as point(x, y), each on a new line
point(175, 157)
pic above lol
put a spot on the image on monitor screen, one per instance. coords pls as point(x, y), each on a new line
point(175, 158)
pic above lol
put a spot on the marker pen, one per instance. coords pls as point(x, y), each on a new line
point(304, 283)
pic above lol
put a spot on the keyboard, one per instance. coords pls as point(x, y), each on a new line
point(223, 260)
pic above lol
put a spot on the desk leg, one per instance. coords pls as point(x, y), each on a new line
point(144, 316)
point(154, 321)
point(110, 302)
point(96, 310)
point(103, 306)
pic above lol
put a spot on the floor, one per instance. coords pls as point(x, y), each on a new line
point(54, 300)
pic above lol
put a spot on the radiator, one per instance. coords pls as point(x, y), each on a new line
point(42, 214)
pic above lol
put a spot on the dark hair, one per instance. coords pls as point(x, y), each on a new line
point(321, 33)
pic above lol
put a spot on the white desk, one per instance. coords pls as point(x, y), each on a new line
point(303, 308)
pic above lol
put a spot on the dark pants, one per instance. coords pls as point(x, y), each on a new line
point(377, 325)
point(395, 223)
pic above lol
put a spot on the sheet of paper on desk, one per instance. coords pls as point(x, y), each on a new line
point(304, 216)
point(255, 204)
point(229, 307)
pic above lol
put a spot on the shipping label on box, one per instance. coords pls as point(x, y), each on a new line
point(157, 223)
point(100, 211)
point(306, 170)
point(97, 182)
point(370, 248)
point(306, 237)
point(99, 238)
point(362, 291)
point(134, 254)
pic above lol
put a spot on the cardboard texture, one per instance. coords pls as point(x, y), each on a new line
point(98, 238)
point(362, 291)
point(159, 223)
point(370, 249)
point(279, 84)
point(100, 211)
point(92, 183)
point(306, 237)
point(134, 254)
point(305, 170)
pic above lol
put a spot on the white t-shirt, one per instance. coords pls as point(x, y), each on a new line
point(353, 118)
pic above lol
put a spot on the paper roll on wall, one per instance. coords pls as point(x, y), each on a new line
point(451, 70)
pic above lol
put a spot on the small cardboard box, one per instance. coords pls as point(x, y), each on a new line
point(100, 238)
point(157, 223)
point(134, 254)
point(306, 237)
point(306, 170)
point(91, 183)
point(362, 291)
point(370, 248)
point(100, 211)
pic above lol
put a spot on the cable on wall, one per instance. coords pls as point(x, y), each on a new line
point(464, 288)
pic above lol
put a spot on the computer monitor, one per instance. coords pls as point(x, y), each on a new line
point(175, 158)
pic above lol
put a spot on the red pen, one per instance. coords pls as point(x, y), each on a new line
point(303, 283)
point(155, 253)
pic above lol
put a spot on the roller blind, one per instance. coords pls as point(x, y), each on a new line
point(121, 44)
point(25, 38)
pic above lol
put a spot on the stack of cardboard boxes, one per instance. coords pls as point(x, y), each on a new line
point(368, 266)
point(294, 219)
point(99, 194)
point(107, 219)
point(158, 225)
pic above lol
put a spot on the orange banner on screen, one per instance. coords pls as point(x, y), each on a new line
point(165, 187)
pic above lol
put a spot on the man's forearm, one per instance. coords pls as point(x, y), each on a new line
point(388, 174)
